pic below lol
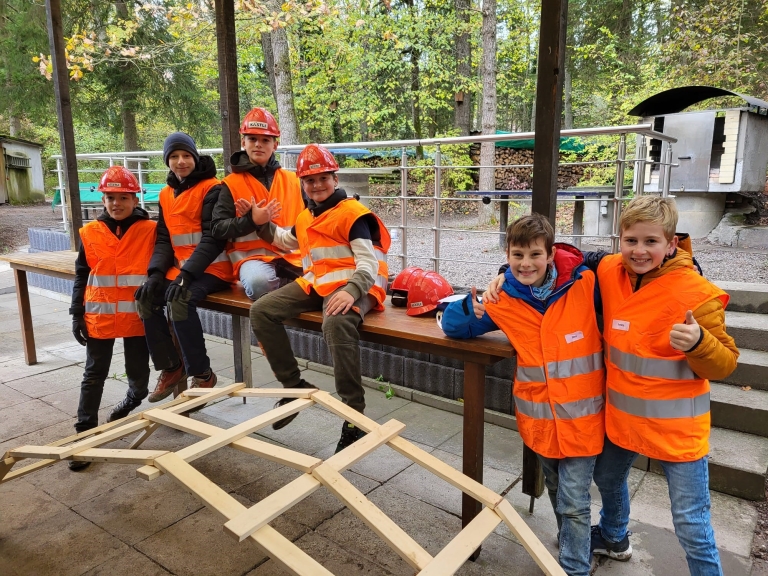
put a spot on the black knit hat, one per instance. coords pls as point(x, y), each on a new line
point(180, 141)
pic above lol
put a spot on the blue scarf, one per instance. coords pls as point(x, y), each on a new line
point(545, 290)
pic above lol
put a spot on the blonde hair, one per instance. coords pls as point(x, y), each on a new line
point(651, 210)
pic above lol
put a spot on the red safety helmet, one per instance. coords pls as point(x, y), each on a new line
point(118, 179)
point(403, 283)
point(425, 293)
point(315, 159)
point(260, 121)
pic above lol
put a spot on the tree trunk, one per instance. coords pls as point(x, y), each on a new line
point(15, 124)
point(567, 92)
point(269, 62)
point(416, 110)
point(488, 149)
point(462, 106)
point(128, 100)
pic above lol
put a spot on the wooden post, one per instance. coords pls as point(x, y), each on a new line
point(64, 113)
point(229, 103)
point(549, 106)
point(474, 430)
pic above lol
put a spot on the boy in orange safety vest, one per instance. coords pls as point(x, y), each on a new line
point(111, 264)
point(257, 177)
point(546, 309)
point(344, 255)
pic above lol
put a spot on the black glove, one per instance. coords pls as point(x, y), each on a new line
point(178, 287)
point(79, 329)
point(150, 287)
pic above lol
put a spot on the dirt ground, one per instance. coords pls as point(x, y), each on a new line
point(16, 220)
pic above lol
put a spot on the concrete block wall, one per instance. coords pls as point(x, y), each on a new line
point(423, 372)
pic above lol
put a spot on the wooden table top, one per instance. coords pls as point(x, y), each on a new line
point(392, 326)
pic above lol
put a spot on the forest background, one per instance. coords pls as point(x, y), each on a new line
point(361, 70)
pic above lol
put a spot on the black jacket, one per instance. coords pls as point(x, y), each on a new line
point(226, 225)
point(209, 248)
point(83, 270)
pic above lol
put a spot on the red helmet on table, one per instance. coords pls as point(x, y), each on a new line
point(425, 293)
point(315, 159)
point(403, 283)
point(259, 121)
point(118, 179)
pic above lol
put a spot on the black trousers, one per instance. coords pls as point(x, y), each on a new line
point(98, 360)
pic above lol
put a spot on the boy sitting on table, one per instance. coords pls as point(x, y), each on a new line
point(344, 255)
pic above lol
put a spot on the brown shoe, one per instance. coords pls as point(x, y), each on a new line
point(166, 383)
point(198, 382)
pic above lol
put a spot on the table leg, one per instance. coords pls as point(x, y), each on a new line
point(474, 417)
point(578, 219)
point(241, 343)
point(25, 316)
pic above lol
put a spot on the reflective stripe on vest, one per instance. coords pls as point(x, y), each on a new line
point(306, 262)
point(131, 279)
point(678, 408)
point(335, 252)
point(335, 276)
point(101, 281)
point(243, 254)
point(652, 367)
point(123, 306)
point(309, 277)
point(567, 411)
point(190, 239)
point(248, 237)
point(575, 366)
point(530, 374)
point(126, 306)
point(122, 280)
point(220, 258)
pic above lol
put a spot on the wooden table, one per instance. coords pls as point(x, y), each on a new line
point(392, 327)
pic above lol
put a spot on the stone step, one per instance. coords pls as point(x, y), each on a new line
point(748, 329)
point(746, 296)
point(741, 410)
point(738, 463)
point(752, 370)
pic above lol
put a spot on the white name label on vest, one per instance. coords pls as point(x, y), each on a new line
point(621, 325)
point(574, 336)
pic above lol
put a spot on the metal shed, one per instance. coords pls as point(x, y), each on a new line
point(21, 171)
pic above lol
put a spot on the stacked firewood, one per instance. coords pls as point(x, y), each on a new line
point(520, 178)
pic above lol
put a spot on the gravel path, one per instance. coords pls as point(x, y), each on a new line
point(16, 220)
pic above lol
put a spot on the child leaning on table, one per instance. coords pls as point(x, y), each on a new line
point(344, 255)
point(546, 309)
point(111, 264)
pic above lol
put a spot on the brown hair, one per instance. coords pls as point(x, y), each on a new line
point(527, 229)
point(652, 210)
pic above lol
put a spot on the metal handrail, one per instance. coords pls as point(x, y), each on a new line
point(639, 161)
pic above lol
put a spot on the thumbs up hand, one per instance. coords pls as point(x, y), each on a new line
point(477, 308)
point(685, 336)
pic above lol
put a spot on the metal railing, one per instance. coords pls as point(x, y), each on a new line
point(639, 162)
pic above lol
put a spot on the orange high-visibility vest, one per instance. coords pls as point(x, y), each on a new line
point(559, 389)
point(118, 267)
point(286, 189)
point(656, 404)
point(183, 217)
point(326, 255)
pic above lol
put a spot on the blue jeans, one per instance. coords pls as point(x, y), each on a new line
point(688, 492)
point(258, 278)
point(568, 481)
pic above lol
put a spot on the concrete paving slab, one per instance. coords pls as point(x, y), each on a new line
point(422, 484)
point(128, 563)
point(379, 407)
point(656, 552)
point(233, 411)
point(313, 510)
point(67, 400)
point(24, 506)
point(339, 561)
point(16, 368)
point(733, 519)
point(26, 417)
point(42, 436)
point(137, 509)
point(47, 383)
point(74, 351)
point(9, 397)
point(64, 544)
point(426, 425)
point(503, 448)
point(198, 546)
point(312, 430)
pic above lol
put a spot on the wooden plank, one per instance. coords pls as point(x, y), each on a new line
point(266, 510)
point(473, 435)
point(259, 392)
point(278, 454)
point(27, 470)
point(38, 452)
point(340, 409)
point(213, 394)
point(118, 456)
point(279, 548)
point(370, 442)
point(528, 539)
point(104, 437)
point(453, 556)
point(25, 317)
point(143, 435)
point(397, 539)
point(5, 465)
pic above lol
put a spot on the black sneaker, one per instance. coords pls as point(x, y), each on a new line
point(123, 408)
point(621, 551)
point(283, 401)
point(349, 435)
point(78, 465)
